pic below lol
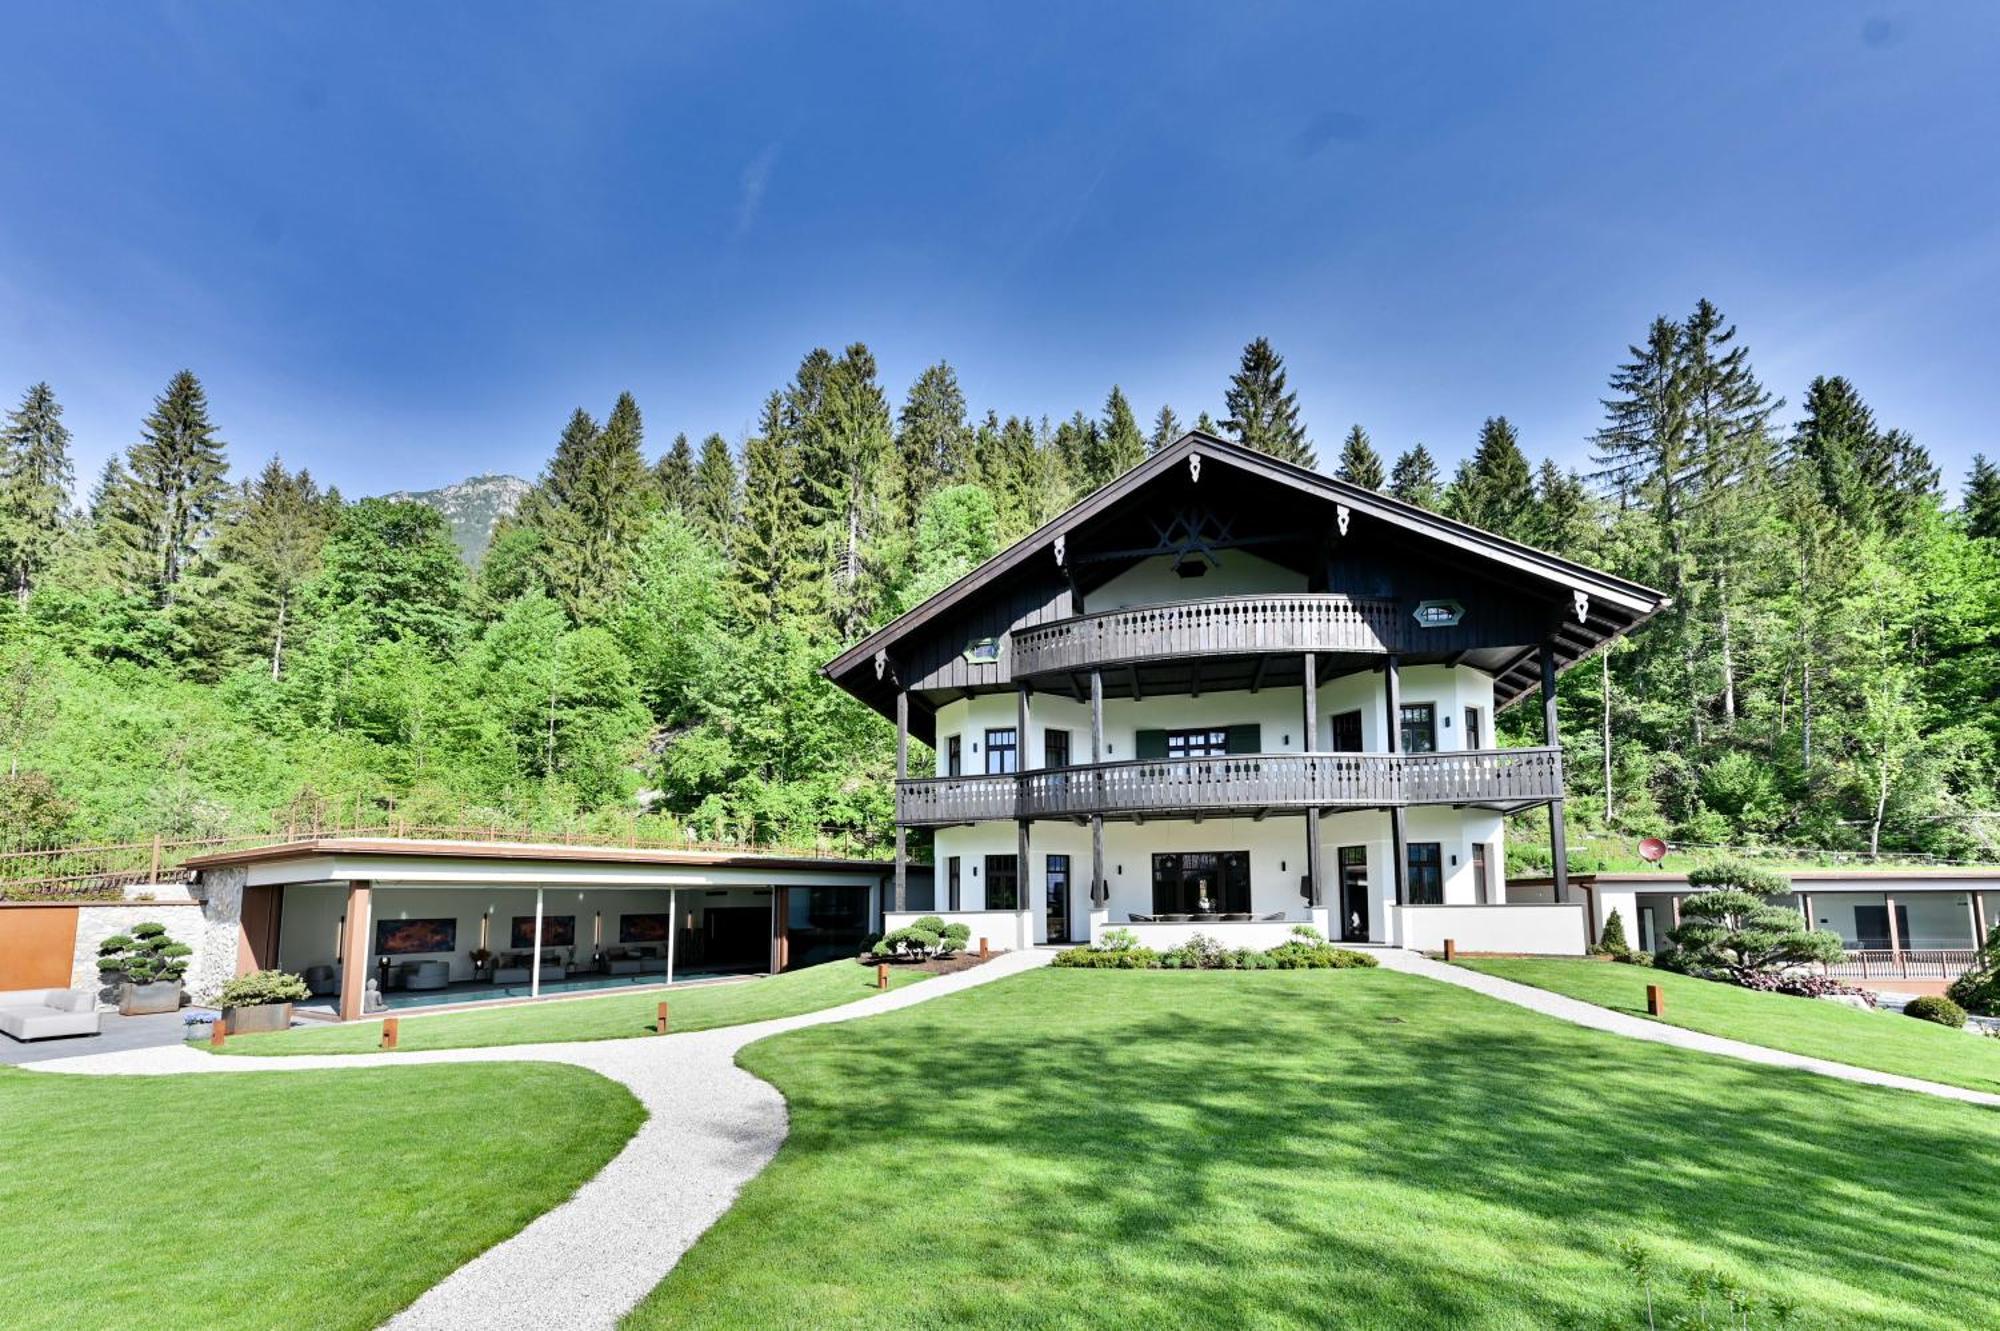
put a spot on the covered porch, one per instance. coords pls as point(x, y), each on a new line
point(378, 926)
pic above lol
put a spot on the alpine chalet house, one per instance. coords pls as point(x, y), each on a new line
point(1230, 695)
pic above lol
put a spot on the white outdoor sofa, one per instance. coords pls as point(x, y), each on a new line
point(42, 1014)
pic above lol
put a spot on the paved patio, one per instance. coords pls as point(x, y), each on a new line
point(118, 1035)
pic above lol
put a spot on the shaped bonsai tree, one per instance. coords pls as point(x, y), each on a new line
point(144, 956)
point(1731, 932)
point(924, 937)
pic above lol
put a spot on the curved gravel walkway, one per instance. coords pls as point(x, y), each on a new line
point(710, 1128)
point(1619, 1023)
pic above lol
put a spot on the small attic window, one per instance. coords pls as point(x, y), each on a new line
point(983, 651)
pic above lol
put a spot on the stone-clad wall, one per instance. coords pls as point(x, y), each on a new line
point(210, 928)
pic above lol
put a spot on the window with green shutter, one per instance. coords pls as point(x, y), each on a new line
point(1205, 742)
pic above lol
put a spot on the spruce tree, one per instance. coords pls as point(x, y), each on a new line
point(674, 475)
point(1116, 446)
point(838, 420)
point(766, 531)
point(1076, 445)
point(715, 493)
point(1262, 415)
point(1415, 479)
point(610, 508)
point(933, 441)
point(1360, 464)
point(35, 475)
point(269, 549)
point(1205, 423)
point(1981, 510)
point(1564, 518)
point(173, 487)
point(1166, 429)
point(1495, 490)
point(1838, 445)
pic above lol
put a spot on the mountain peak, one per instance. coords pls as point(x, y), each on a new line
point(473, 507)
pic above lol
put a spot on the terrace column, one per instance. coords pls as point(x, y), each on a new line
point(354, 951)
point(1805, 909)
point(1895, 932)
point(1972, 918)
point(1100, 891)
point(673, 928)
point(902, 773)
point(1979, 918)
point(535, 966)
point(1399, 859)
point(1551, 736)
point(781, 929)
point(1315, 890)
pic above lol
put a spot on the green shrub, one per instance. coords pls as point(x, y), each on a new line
point(1302, 955)
point(1612, 941)
point(1098, 958)
point(912, 940)
point(261, 988)
point(1978, 990)
point(1633, 958)
point(1117, 940)
point(143, 956)
point(1200, 953)
point(1937, 1008)
point(1732, 932)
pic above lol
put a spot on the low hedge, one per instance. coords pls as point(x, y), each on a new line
point(1937, 1008)
point(1118, 949)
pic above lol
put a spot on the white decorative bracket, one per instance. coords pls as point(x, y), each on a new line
point(881, 664)
point(1194, 466)
point(1582, 601)
point(1062, 549)
point(1340, 516)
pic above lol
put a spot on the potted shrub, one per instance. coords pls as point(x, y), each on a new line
point(261, 1001)
point(150, 965)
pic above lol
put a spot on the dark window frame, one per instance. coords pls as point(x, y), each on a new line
point(1471, 738)
point(1352, 721)
point(953, 887)
point(1003, 868)
point(954, 755)
point(1231, 890)
point(1425, 714)
point(1054, 739)
point(1199, 742)
point(1006, 751)
point(1424, 869)
point(1482, 873)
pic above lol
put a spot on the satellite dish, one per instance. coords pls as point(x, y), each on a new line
point(1652, 850)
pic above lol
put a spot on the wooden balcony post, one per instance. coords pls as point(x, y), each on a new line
point(1551, 736)
point(1096, 716)
point(1023, 896)
point(1399, 860)
point(1315, 893)
point(902, 895)
point(1100, 891)
point(1023, 719)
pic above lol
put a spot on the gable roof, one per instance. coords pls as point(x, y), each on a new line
point(1617, 603)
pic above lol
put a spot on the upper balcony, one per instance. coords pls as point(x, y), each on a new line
point(1281, 622)
point(1254, 784)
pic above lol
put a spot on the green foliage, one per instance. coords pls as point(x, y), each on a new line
point(1262, 414)
point(1978, 990)
point(1120, 959)
point(32, 809)
point(390, 572)
point(35, 475)
point(263, 988)
point(1612, 941)
point(1415, 479)
point(926, 936)
point(1731, 931)
point(1495, 489)
point(1360, 464)
point(1118, 949)
point(144, 956)
point(1937, 1008)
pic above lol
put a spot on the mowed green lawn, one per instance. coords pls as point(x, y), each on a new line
point(284, 1199)
point(1308, 1149)
point(618, 1017)
point(1884, 1041)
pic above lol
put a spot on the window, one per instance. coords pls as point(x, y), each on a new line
point(1347, 732)
point(1202, 883)
point(1426, 885)
point(1055, 748)
point(1420, 727)
point(1056, 891)
point(1003, 882)
point(1197, 743)
point(954, 756)
point(1207, 742)
point(1000, 752)
point(1871, 927)
point(1472, 736)
point(1482, 887)
point(951, 889)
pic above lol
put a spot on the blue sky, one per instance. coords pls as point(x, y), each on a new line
point(400, 243)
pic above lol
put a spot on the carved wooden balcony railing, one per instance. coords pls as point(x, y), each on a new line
point(1221, 626)
point(1239, 783)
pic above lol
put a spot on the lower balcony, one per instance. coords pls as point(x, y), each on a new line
point(1251, 783)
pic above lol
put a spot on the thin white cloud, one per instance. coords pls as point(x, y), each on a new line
point(756, 179)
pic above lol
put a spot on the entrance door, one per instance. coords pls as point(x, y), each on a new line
point(1354, 894)
point(1058, 898)
point(257, 930)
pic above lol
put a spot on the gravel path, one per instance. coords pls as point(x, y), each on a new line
point(1639, 1028)
point(710, 1128)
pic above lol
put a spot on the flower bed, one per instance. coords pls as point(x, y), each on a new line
point(1118, 949)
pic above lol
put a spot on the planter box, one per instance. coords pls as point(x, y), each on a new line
point(140, 1000)
point(263, 1017)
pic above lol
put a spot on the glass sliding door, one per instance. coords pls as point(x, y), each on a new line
point(1057, 898)
point(1202, 883)
point(1003, 883)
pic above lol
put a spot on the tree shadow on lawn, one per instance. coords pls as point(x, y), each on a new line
point(1290, 1148)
